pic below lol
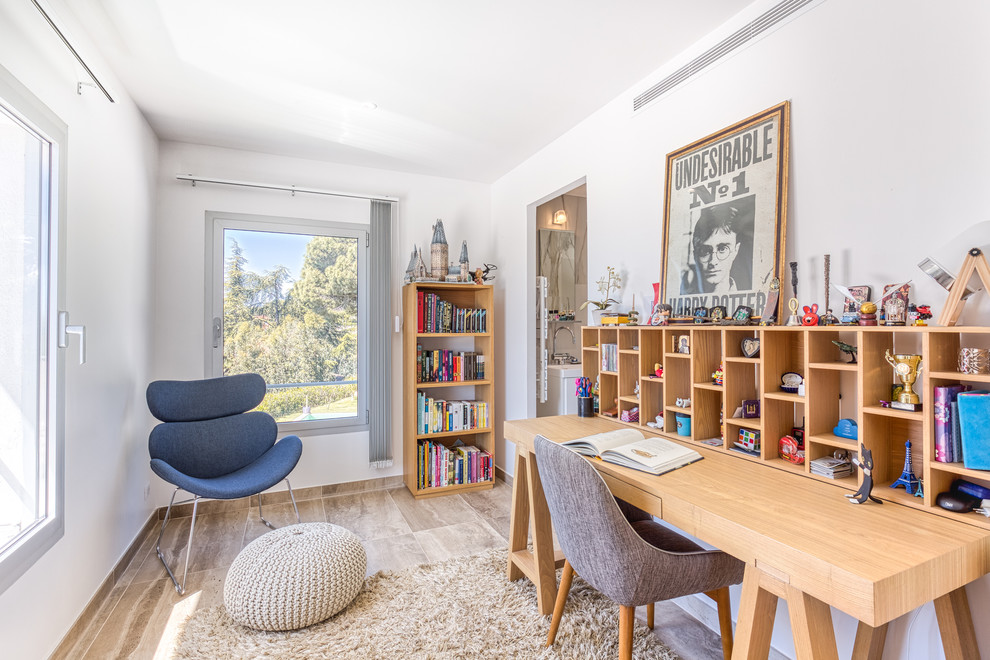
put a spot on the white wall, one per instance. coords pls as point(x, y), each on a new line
point(112, 160)
point(889, 112)
point(179, 317)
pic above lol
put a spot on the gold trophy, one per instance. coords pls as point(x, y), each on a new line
point(907, 368)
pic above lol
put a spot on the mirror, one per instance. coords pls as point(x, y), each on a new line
point(558, 266)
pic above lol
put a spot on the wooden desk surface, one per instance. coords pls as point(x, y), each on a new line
point(873, 562)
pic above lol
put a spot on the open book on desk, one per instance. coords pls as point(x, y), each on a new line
point(630, 448)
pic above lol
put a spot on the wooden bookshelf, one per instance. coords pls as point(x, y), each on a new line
point(834, 389)
point(482, 390)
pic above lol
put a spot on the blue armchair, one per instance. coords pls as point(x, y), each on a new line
point(210, 446)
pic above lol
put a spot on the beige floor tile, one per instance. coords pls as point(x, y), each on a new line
point(459, 540)
point(394, 553)
point(216, 541)
point(282, 515)
point(370, 515)
point(149, 615)
point(493, 506)
point(431, 512)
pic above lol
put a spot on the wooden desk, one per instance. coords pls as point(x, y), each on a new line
point(801, 541)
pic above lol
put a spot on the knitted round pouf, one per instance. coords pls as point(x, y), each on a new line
point(295, 576)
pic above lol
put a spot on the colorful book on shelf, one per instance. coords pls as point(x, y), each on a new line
point(630, 448)
point(974, 422)
point(945, 396)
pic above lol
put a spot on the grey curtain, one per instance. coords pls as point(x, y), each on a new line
point(380, 317)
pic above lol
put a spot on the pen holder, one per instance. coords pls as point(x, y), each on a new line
point(585, 406)
point(683, 424)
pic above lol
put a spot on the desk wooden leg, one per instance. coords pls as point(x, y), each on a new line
point(519, 522)
point(811, 624)
point(869, 642)
point(757, 609)
point(542, 532)
point(955, 624)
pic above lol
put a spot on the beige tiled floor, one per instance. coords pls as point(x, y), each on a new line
point(142, 614)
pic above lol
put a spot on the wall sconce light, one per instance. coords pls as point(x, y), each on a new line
point(560, 217)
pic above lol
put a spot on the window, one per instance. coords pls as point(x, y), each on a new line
point(288, 301)
point(31, 512)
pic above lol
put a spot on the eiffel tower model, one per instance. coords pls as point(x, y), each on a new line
point(907, 478)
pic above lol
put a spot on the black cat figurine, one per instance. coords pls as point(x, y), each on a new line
point(865, 463)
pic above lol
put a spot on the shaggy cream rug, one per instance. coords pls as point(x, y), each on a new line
point(462, 608)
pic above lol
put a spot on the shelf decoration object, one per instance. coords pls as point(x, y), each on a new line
point(847, 428)
point(810, 315)
point(865, 463)
point(750, 347)
point(975, 261)
point(894, 302)
point(907, 367)
point(790, 450)
point(791, 382)
point(907, 478)
point(438, 253)
point(848, 349)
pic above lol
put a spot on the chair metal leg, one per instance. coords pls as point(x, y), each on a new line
point(294, 506)
point(180, 588)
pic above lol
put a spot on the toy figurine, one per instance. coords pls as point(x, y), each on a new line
point(907, 478)
point(658, 369)
point(810, 315)
point(868, 313)
point(865, 463)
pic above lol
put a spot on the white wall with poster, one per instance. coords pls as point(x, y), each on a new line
point(888, 114)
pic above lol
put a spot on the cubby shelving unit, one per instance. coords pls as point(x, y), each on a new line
point(834, 389)
point(465, 296)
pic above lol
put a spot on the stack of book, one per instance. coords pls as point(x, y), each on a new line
point(439, 416)
point(833, 468)
point(610, 357)
point(445, 366)
point(436, 315)
point(440, 465)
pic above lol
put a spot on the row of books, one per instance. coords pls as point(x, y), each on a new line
point(436, 315)
point(610, 357)
point(440, 465)
point(962, 426)
point(446, 366)
point(440, 416)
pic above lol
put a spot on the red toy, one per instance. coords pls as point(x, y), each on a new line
point(810, 315)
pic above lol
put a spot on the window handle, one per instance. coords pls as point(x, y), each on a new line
point(64, 330)
point(217, 332)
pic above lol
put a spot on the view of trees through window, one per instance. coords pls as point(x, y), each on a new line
point(292, 316)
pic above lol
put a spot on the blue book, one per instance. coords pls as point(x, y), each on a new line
point(974, 422)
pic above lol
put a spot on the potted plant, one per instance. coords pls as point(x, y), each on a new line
point(607, 286)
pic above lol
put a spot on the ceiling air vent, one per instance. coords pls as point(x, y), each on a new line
point(747, 33)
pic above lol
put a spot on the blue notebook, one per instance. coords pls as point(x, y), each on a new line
point(974, 422)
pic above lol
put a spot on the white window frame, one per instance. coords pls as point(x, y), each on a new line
point(34, 542)
point(216, 223)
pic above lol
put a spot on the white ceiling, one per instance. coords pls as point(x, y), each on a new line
point(463, 88)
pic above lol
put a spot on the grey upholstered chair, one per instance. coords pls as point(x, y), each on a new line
point(623, 552)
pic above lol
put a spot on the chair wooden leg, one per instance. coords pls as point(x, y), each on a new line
point(649, 615)
point(721, 598)
point(558, 609)
point(627, 614)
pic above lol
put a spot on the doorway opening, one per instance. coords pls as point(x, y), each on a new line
point(562, 285)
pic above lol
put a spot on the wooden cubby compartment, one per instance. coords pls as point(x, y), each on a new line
point(834, 388)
